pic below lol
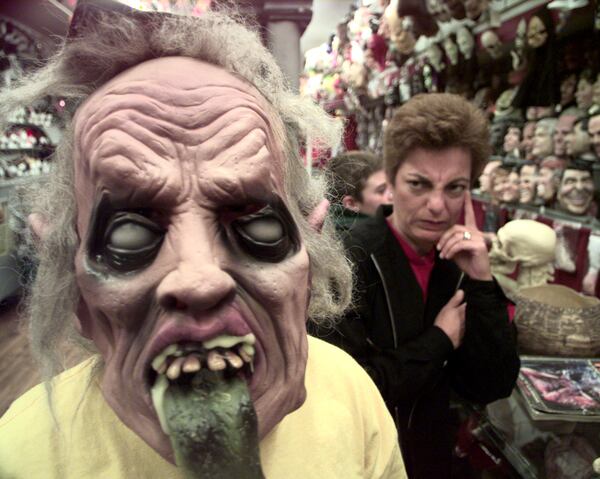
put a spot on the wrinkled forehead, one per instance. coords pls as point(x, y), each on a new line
point(178, 99)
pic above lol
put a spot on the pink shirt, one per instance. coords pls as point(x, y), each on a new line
point(420, 265)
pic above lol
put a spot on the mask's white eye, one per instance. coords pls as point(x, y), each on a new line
point(131, 236)
point(268, 234)
point(264, 230)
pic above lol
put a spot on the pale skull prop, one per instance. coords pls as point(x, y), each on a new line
point(465, 42)
point(528, 244)
point(492, 44)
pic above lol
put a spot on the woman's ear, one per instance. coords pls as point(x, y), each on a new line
point(317, 216)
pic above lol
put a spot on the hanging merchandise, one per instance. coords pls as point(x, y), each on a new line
point(540, 87)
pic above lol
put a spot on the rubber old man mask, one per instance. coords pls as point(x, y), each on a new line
point(189, 262)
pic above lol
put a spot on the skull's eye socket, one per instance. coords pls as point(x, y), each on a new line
point(268, 235)
point(131, 241)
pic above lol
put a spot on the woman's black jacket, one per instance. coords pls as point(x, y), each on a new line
point(390, 333)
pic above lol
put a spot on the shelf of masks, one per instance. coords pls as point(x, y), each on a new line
point(577, 252)
point(10, 283)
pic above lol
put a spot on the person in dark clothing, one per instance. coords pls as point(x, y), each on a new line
point(358, 187)
point(428, 316)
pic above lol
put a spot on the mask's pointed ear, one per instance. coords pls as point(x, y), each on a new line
point(38, 224)
point(317, 216)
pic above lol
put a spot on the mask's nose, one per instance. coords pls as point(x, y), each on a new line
point(198, 281)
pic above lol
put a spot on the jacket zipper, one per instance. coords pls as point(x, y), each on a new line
point(394, 337)
point(387, 300)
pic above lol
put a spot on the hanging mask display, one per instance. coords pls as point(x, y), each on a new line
point(401, 34)
point(567, 90)
point(584, 95)
point(537, 33)
point(511, 191)
point(451, 50)
point(512, 141)
point(564, 126)
point(456, 9)
point(438, 10)
point(596, 95)
point(548, 179)
point(578, 142)
point(527, 140)
point(540, 85)
point(518, 53)
point(542, 141)
point(527, 184)
point(485, 179)
point(499, 182)
point(475, 8)
point(465, 42)
point(576, 191)
point(492, 44)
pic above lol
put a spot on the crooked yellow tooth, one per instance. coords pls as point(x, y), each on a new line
point(244, 355)
point(174, 369)
point(233, 359)
point(191, 364)
point(215, 361)
point(159, 360)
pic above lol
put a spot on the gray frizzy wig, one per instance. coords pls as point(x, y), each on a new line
point(98, 51)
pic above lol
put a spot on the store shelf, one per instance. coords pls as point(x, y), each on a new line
point(524, 468)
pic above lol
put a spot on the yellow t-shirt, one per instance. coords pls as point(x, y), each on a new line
point(343, 430)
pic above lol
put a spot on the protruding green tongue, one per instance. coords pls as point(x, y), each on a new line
point(212, 425)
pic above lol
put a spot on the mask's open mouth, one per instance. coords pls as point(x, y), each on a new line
point(200, 394)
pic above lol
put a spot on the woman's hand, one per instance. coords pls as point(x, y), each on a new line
point(451, 318)
point(466, 246)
